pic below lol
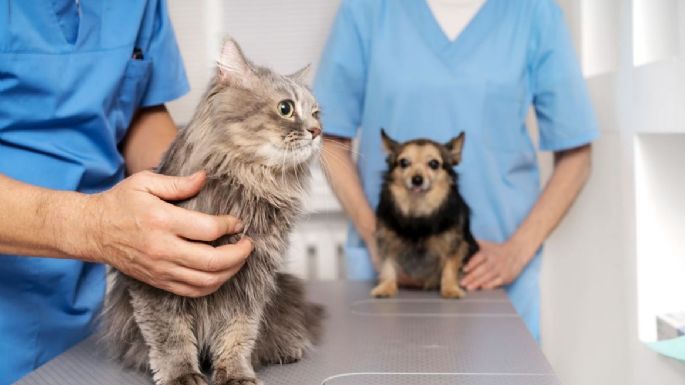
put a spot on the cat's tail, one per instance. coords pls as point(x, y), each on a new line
point(290, 326)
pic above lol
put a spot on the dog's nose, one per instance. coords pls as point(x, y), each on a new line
point(417, 180)
point(316, 131)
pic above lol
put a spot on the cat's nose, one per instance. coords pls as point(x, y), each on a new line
point(315, 131)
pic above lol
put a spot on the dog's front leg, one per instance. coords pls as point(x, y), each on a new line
point(449, 283)
point(387, 287)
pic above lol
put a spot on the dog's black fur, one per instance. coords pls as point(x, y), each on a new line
point(452, 213)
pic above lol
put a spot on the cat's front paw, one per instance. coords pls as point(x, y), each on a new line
point(189, 379)
point(292, 356)
point(227, 377)
point(239, 381)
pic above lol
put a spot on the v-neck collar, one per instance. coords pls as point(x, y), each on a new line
point(427, 25)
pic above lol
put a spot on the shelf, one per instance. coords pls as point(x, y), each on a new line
point(655, 30)
point(600, 27)
point(660, 221)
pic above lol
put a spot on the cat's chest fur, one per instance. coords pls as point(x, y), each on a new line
point(268, 216)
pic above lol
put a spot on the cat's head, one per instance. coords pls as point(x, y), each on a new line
point(259, 116)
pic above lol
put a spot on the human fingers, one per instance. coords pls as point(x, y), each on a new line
point(493, 283)
point(164, 273)
point(201, 283)
point(199, 226)
point(170, 188)
point(182, 289)
point(480, 280)
point(199, 256)
point(475, 275)
point(475, 261)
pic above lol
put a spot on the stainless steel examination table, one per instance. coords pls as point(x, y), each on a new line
point(414, 339)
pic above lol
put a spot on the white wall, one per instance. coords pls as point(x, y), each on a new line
point(590, 278)
point(591, 281)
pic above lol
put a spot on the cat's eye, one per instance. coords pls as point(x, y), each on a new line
point(315, 114)
point(434, 164)
point(286, 108)
point(404, 162)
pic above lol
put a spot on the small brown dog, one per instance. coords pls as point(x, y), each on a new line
point(423, 223)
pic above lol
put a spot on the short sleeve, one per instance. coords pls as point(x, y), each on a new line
point(168, 78)
point(561, 100)
point(340, 80)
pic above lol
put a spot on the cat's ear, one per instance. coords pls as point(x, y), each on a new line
point(301, 75)
point(389, 145)
point(233, 66)
point(454, 148)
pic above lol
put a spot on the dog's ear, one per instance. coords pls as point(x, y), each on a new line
point(389, 145)
point(454, 147)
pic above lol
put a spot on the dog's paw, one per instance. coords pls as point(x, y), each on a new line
point(189, 379)
point(452, 291)
point(384, 290)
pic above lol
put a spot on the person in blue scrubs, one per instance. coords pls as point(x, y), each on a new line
point(82, 92)
point(388, 64)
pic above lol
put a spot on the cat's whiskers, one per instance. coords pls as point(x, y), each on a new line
point(285, 153)
point(347, 147)
point(334, 157)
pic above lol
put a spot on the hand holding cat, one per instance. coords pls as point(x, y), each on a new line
point(495, 265)
point(132, 228)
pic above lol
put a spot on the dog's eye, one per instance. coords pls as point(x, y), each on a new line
point(404, 163)
point(434, 164)
point(286, 108)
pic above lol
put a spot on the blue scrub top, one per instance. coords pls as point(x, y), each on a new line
point(389, 65)
point(69, 87)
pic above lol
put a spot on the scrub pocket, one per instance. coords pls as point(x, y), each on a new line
point(131, 92)
point(504, 111)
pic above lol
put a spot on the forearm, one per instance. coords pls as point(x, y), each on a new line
point(344, 180)
point(148, 137)
point(39, 222)
point(571, 170)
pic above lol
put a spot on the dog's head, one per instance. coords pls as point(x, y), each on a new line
point(421, 170)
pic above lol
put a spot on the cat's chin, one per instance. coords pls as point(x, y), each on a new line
point(300, 156)
point(281, 158)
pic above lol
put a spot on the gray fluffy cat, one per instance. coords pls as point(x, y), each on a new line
point(254, 133)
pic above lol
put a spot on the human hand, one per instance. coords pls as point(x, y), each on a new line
point(132, 228)
point(494, 265)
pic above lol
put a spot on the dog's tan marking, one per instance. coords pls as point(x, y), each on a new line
point(438, 183)
point(449, 283)
point(387, 287)
point(389, 244)
point(408, 160)
point(445, 244)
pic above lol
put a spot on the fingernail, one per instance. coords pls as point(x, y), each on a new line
point(239, 226)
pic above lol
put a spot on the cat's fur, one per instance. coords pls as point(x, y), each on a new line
point(257, 162)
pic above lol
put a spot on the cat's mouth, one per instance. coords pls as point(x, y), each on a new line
point(289, 155)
